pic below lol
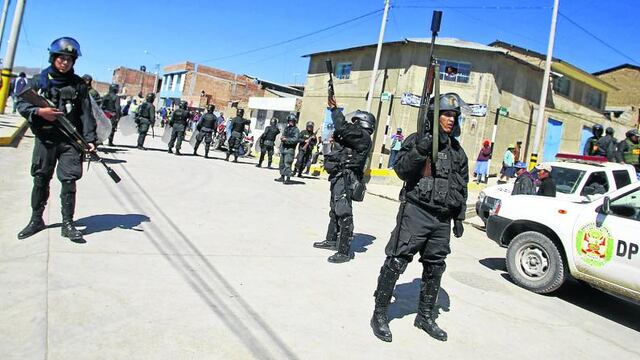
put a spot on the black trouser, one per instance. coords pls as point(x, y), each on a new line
point(286, 159)
point(46, 155)
point(114, 127)
point(303, 159)
point(143, 128)
point(177, 135)
point(234, 142)
point(340, 227)
point(207, 136)
point(268, 150)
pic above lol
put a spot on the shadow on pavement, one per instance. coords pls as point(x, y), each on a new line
point(113, 161)
point(295, 182)
point(361, 241)
point(106, 222)
point(494, 264)
point(111, 150)
point(147, 148)
point(407, 297)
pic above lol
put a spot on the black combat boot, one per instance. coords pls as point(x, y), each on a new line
point(259, 165)
point(269, 165)
point(206, 154)
point(68, 202)
point(344, 242)
point(170, 151)
point(195, 152)
point(178, 152)
point(287, 180)
point(429, 288)
point(386, 282)
point(35, 225)
point(235, 158)
point(39, 197)
point(331, 238)
point(280, 179)
point(227, 158)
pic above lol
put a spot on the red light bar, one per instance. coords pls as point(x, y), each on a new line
point(583, 158)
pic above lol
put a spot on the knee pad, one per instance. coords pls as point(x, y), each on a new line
point(346, 223)
point(68, 187)
point(396, 264)
point(433, 269)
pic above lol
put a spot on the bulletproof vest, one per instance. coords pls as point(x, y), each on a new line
point(632, 153)
point(444, 186)
point(67, 99)
point(109, 102)
point(270, 133)
point(237, 124)
point(180, 116)
point(289, 132)
point(208, 121)
point(143, 111)
point(355, 143)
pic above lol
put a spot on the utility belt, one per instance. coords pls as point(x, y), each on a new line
point(441, 192)
point(268, 142)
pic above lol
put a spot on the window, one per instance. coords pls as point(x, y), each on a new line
point(597, 183)
point(566, 179)
point(593, 98)
point(562, 85)
point(627, 206)
point(621, 178)
point(343, 71)
point(455, 71)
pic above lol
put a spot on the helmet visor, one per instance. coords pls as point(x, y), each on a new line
point(65, 45)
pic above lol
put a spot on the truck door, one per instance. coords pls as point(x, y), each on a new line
point(607, 246)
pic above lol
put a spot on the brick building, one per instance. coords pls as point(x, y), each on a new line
point(625, 101)
point(202, 85)
point(133, 81)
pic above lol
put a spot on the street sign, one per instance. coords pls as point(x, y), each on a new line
point(503, 111)
point(386, 96)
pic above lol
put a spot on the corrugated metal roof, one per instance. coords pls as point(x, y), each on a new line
point(452, 42)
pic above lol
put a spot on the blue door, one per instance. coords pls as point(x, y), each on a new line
point(552, 140)
point(586, 134)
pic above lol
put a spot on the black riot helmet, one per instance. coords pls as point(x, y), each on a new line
point(64, 46)
point(310, 125)
point(211, 109)
point(632, 132)
point(183, 105)
point(448, 102)
point(609, 131)
point(150, 97)
point(114, 88)
point(87, 79)
point(365, 119)
point(273, 121)
point(292, 117)
point(597, 130)
point(240, 112)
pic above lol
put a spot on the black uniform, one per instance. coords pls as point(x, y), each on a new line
point(51, 146)
point(206, 127)
point(304, 156)
point(345, 165)
point(237, 133)
point(178, 123)
point(145, 118)
point(434, 194)
point(290, 138)
point(267, 142)
point(111, 106)
point(607, 147)
point(547, 187)
point(524, 185)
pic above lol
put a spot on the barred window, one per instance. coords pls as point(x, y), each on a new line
point(455, 71)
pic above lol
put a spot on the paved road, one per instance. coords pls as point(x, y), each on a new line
point(190, 258)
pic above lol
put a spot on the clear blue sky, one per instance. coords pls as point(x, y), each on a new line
point(117, 32)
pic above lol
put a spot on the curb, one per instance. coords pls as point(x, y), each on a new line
point(8, 140)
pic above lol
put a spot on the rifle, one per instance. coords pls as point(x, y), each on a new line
point(308, 141)
point(67, 128)
point(427, 89)
point(332, 92)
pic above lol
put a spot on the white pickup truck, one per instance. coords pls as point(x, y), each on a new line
point(549, 239)
point(576, 177)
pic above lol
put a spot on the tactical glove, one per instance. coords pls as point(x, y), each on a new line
point(458, 229)
point(423, 146)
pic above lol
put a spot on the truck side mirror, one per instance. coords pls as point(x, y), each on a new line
point(606, 206)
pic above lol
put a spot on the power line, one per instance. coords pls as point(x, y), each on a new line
point(295, 38)
point(472, 7)
point(598, 39)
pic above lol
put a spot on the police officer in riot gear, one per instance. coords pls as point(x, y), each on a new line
point(608, 145)
point(206, 127)
point(434, 194)
point(629, 149)
point(92, 92)
point(288, 142)
point(591, 146)
point(308, 141)
point(111, 108)
point(267, 141)
point(345, 165)
point(237, 133)
point(53, 151)
point(145, 118)
point(178, 123)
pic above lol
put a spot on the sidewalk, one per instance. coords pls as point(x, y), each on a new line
point(11, 126)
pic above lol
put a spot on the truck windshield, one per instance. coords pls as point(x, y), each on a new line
point(567, 180)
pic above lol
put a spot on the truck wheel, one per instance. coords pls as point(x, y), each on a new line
point(534, 262)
